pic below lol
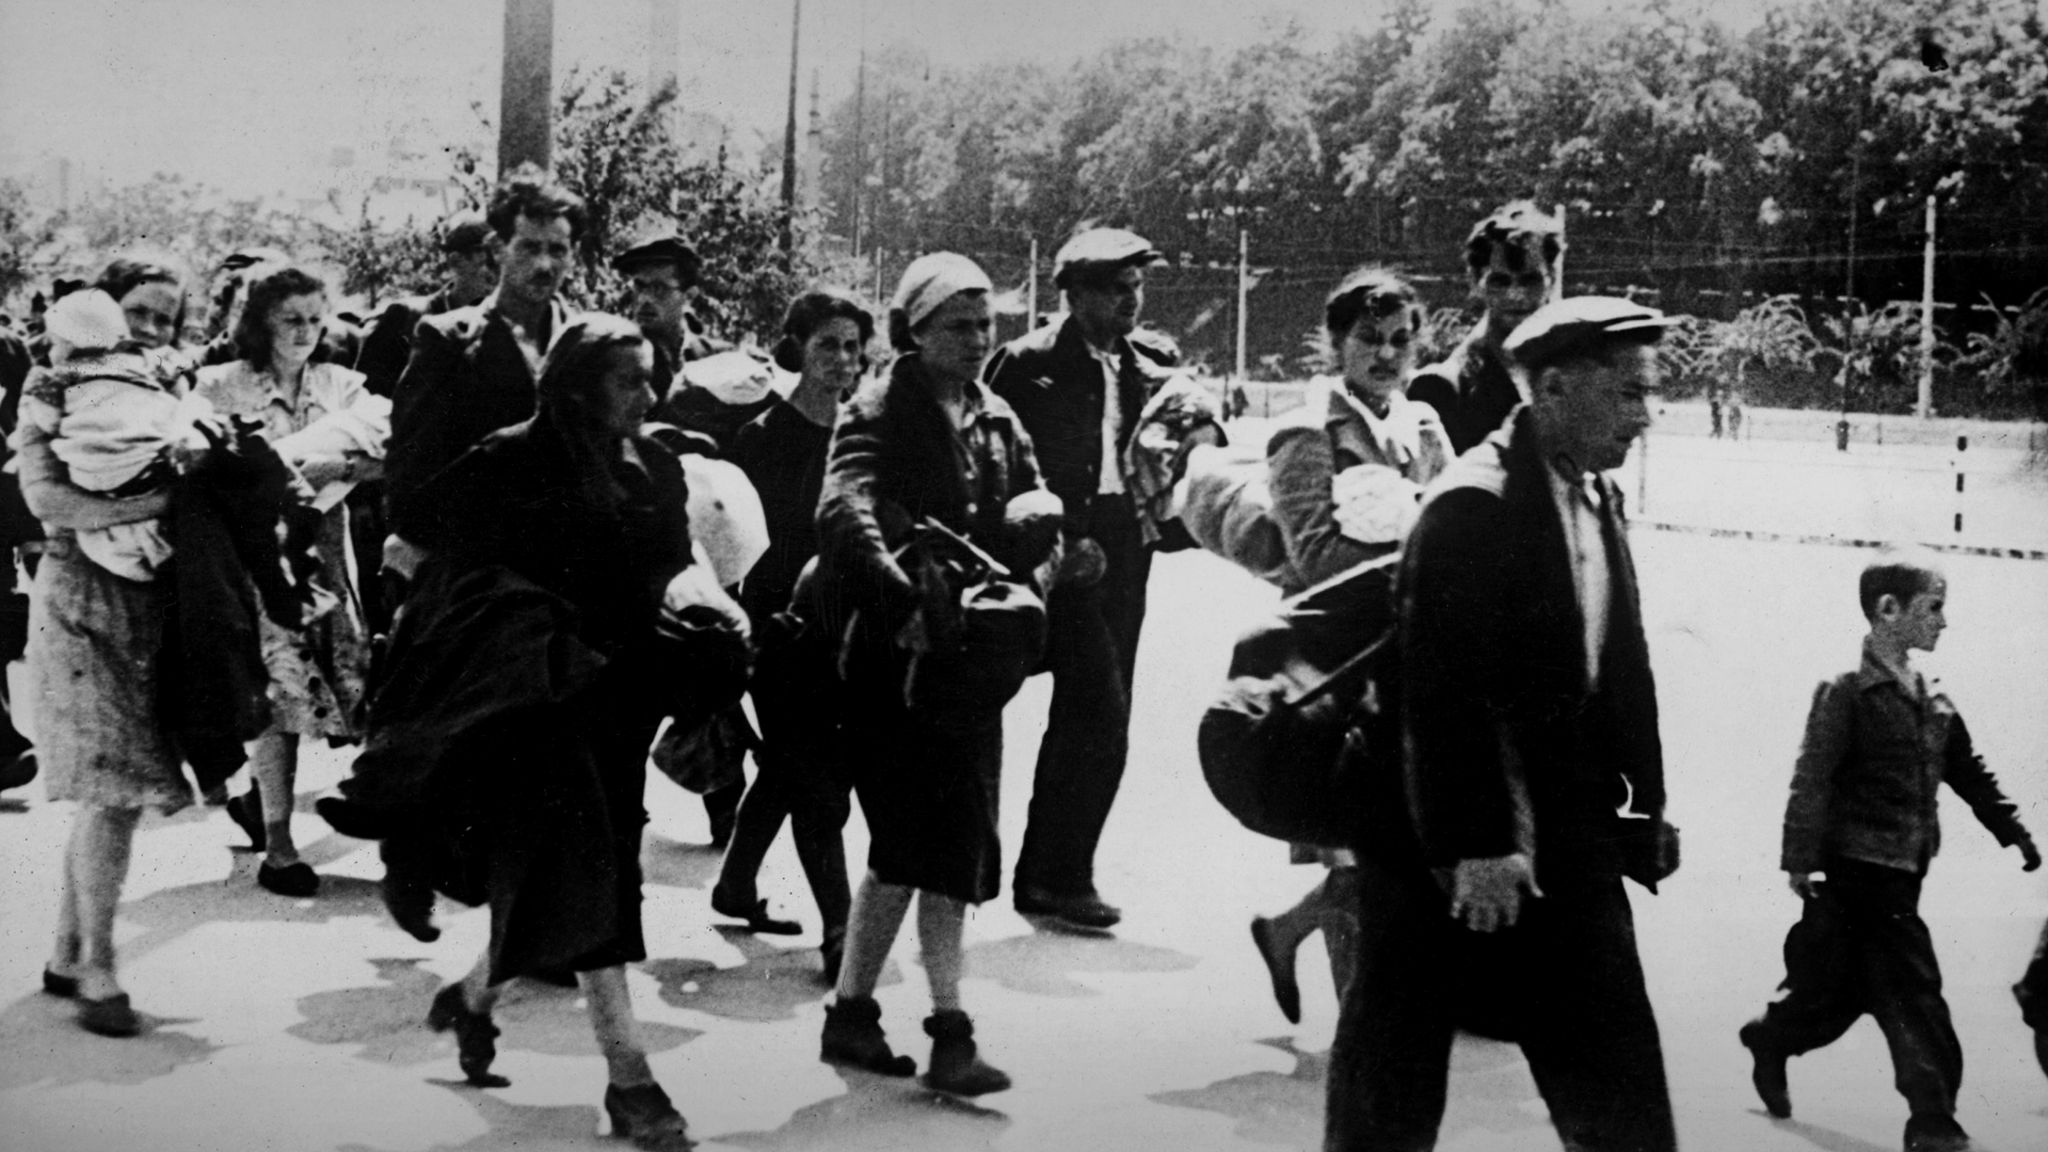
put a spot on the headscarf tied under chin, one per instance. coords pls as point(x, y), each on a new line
point(931, 280)
point(569, 400)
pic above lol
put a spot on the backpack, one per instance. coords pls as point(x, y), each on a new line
point(1303, 742)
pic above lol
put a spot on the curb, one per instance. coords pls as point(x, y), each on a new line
point(1840, 541)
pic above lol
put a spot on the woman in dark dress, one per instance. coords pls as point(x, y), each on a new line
point(925, 444)
point(802, 770)
point(508, 746)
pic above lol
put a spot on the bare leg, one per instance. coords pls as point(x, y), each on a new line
point(1303, 920)
point(941, 921)
point(1340, 925)
point(878, 910)
point(611, 1018)
point(64, 952)
point(274, 766)
point(96, 862)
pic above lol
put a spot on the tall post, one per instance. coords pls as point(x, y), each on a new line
point(1244, 276)
point(1557, 270)
point(860, 144)
point(1031, 290)
point(796, 21)
point(1925, 408)
point(526, 92)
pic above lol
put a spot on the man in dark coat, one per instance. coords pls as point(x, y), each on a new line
point(469, 259)
point(1512, 258)
point(473, 370)
point(1078, 385)
point(1534, 771)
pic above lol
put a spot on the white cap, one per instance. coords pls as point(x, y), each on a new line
point(933, 279)
point(88, 320)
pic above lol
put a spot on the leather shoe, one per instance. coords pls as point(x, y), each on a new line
point(1933, 1132)
point(18, 771)
point(112, 1016)
point(1279, 968)
point(63, 987)
point(755, 914)
point(295, 880)
point(1080, 910)
point(1767, 1073)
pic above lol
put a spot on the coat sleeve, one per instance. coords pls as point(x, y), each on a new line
point(1821, 752)
point(851, 544)
point(1965, 771)
point(1466, 799)
point(421, 412)
point(386, 346)
point(1300, 465)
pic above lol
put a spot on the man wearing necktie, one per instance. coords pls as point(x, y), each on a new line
point(1534, 772)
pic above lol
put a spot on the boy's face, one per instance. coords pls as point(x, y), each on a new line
point(1920, 623)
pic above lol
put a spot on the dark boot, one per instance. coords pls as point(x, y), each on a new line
point(853, 1035)
point(955, 1066)
point(1767, 1072)
point(1935, 1132)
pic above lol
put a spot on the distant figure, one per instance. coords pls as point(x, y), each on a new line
point(469, 264)
point(1512, 260)
point(1861, 828)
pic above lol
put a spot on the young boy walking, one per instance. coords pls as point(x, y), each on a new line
point(1860, 830)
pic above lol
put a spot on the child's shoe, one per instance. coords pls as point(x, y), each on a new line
point(853, 1035)
point(956, 1067)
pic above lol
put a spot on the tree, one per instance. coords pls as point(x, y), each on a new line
point(2013, 357)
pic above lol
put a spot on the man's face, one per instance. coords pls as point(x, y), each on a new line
point(471, 274)
point(1590, 411)
point(1107, 308)
point(1512, 287)
point(659, 300)
point(537, 257)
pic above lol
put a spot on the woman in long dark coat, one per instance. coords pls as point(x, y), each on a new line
point(925, 444)
point(508, 745)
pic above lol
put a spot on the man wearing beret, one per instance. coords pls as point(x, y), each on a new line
point(1533, 770)
point(469, 261)
point(1078, 385)
point(1511, 258)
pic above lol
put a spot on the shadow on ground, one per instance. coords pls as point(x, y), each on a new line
point(41, 1043)
point(678, 864)
point(772, 984)
point(1044, 963)
point(1284, 1108)
point(880, 1114)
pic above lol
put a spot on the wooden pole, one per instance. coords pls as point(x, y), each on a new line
point(1031, 291)
point(526, 91)
point(1925, 408)
point(796, 20)
point(1244, 276)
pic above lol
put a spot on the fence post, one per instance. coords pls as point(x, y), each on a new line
point(1962, 445)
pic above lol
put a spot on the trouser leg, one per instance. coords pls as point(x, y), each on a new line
point(1591, 1037)
point(1903, 981)
point(1823, 986)
point(1390, 1062)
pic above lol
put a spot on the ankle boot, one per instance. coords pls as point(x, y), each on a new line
point(853, 1035)
point(955, 1067)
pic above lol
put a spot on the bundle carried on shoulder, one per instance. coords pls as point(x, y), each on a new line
point(1303, 743)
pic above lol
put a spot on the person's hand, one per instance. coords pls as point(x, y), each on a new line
point(1806, 884)
point(1486, 895)
point(2028, 853)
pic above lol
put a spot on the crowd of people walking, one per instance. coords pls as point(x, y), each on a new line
point(477, 540)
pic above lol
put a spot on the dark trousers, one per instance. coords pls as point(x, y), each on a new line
point(1860, 946)
point(1565, 981)
point(800, 774)
point(1092, 651)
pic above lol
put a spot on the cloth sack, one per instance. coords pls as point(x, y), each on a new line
point(708, 755)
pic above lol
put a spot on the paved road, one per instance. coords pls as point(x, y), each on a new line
point(296, 1025)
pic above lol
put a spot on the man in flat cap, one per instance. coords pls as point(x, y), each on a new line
point(1511, 258)
point(1533, 770)
point(1079, 384)
point(469, 264)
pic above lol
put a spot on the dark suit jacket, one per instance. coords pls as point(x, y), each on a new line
point(1507, 749)
point(466, 379)
point(1471, 391)
point(388, 342)
point(1054, 384)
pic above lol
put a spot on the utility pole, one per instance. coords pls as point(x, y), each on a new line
point(860, 152)
point(1925, 408)
point(796, 21)
point(1849, 309)
point(1244, 277)
point(1557, 269)
point(526, 90)
point(1031, 291)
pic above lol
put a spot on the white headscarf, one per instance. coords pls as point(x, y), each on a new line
point(933, 279)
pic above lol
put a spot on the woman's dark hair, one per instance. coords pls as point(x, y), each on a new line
point(1368, 290)
point(127, 273)
point(269, 285)
point(1515, 228)
point(812, 311)
point(572, 378)
point(527, 191)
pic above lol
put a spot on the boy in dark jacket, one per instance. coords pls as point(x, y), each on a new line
point(1860, 830)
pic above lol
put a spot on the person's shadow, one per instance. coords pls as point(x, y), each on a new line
point(772, 984)
point(1044, 963)
point(678, 864)
point(42, 1044)
point(1284, 1108)
point(880, 1114)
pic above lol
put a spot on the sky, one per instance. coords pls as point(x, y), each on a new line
point(256, 96)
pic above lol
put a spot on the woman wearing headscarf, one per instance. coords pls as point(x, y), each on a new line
point(802, 771)
point(329, 426)
point(508, 745)
point(92, 653)
point(926, 463)
point(1346, 472)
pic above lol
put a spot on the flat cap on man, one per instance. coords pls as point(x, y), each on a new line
point(1566, 326)
point(659, 248)
point(1104, 248)
point(250, 257)
point(465, 232)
